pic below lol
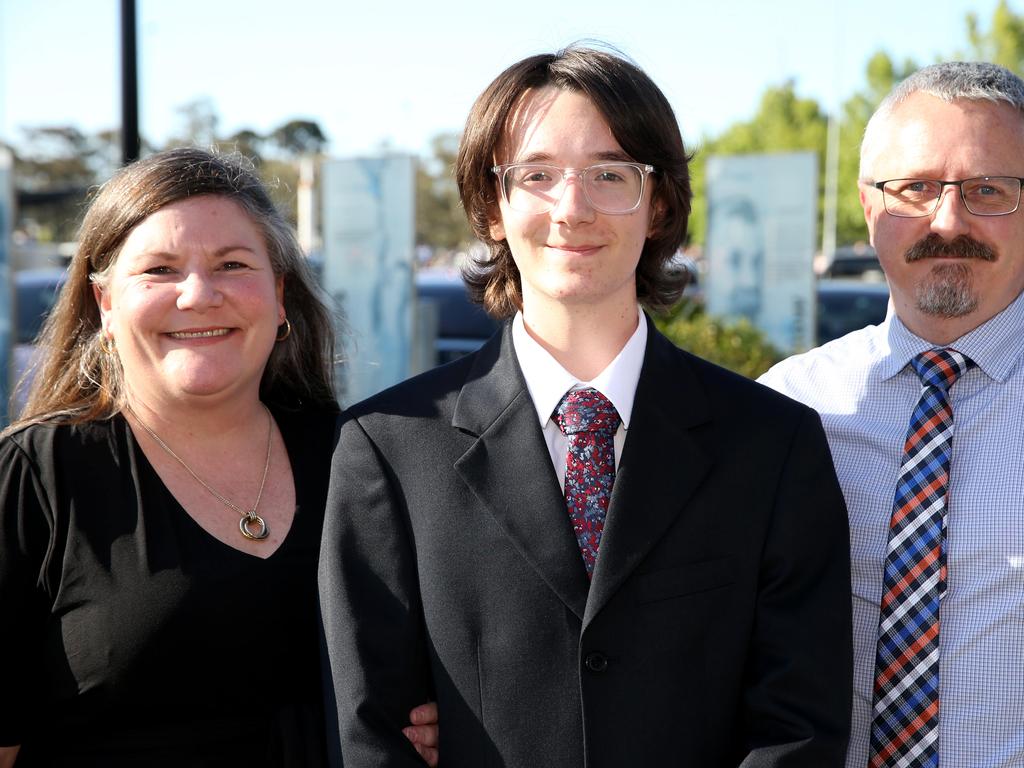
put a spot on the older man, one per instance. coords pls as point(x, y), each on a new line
point(924, 417)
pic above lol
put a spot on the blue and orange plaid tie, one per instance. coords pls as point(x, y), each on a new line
point(589, 421)
point(905, 727)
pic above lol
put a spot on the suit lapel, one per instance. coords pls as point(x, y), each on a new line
point(509, 469)
point(663, 461)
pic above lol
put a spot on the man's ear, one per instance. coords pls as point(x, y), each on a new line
point(868, 203)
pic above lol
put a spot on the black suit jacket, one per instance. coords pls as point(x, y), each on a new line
point(716, 631)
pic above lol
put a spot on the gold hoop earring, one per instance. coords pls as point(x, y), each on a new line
point(106, 345)
point(287, 330)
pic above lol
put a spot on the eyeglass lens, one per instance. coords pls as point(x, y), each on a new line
point(986, 196)
point(609, 187)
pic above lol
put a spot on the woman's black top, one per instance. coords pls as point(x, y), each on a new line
point(131, 637)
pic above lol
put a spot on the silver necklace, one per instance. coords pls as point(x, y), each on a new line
point(251, 525)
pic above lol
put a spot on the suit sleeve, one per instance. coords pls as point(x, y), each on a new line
point(800, 672)
point(373, 638)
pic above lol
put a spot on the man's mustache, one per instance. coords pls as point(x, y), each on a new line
point(961, 247)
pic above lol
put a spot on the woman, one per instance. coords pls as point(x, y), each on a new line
point(162, 495)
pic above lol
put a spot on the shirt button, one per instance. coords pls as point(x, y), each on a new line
point(596, 662)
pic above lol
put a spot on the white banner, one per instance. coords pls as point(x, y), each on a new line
point(762, 217)
point(368, 235)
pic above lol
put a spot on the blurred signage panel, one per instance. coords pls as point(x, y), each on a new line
point(762, 217)
point(368, 236)
point(6, 292)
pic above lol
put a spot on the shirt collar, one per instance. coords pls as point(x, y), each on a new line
point(547, 381)
point(995, 346)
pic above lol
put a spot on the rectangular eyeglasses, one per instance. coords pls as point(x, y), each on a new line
point(614, 188)
point(982, 196)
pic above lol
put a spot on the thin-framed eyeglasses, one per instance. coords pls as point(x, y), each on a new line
point(982, 195)
point(614, 188)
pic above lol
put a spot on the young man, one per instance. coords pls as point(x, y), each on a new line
point(593, 548)
point(923, 414)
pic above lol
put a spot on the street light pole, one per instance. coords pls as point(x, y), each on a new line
point(131, 146)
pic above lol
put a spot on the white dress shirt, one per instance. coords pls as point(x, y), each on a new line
point(865, 391)
point(548, 382)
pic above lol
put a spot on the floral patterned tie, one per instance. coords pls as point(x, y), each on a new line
point(589, 421)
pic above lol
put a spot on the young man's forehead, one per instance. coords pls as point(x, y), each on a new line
point(520, 142)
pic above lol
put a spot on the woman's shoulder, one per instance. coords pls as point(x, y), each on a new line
point(53, 437)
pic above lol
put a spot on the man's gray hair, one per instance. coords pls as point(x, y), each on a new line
point(949, 81)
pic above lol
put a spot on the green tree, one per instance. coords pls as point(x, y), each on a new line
point(275, 154)
point(784, 122)
point(440, 220)
point(199, 121)
point(54, 167)
point(58, 156)
point(282, 180)
point(738, 346)
point(248, 142)
point(1003, 43)
point(299, 137)
point(881, 75)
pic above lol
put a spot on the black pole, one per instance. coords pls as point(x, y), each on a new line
point(131, 146)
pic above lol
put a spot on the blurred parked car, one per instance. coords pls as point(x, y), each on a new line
point(858, 260)
point(462, 326)
point(846, 305)
point(35, 292)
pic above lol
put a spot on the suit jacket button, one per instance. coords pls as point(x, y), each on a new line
point(596, 662)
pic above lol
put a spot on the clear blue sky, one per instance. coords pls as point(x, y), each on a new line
point(397, 72)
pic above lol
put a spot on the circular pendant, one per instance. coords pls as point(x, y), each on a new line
point(257, 531)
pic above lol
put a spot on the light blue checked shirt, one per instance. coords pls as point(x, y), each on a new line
point(865, 390)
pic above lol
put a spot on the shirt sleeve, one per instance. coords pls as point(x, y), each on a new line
point(25, 526)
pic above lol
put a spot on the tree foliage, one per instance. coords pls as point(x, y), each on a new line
point(738, 346)
point(881, 75)
point(440, 220)
point(56, 165)
point(784, 122)
point(299, 137)
point(248, 143)
point(1003, 43)
point(199, 121)
point(62, 156)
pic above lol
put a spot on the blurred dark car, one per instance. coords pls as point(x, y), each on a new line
point(854, 261)
point(846, 305)
point(35, 293)
point(462, 326)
